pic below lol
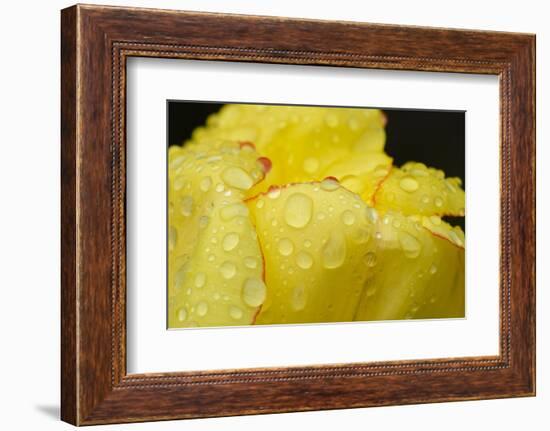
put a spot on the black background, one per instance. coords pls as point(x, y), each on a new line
point(435, 138)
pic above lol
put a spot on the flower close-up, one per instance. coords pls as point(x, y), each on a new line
point(290, 214)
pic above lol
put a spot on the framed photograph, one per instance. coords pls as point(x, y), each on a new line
point(267, 215)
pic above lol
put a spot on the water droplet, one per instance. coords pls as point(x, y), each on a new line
point(370, 259)
point(228, 270)
point(220, 187)
point(329, 184)
point(186, 206)
point(298, 210)
point(396, 223)
point(361, 235)
point(172, 237)
point(433, 269)
point(254, 292)
point(304, 260)
point(378, 235)
point(274, 192)
point(311, 164)
point(348, 218)
point(211, 258)
point(321, 215)
point(409, 184)
point(438, 202)
point(182, 314)
point(286, 247)
point(238, 178)
point(386, 219)
point(200, 279)
point(425, 199)
point(260, 203)
point(202, 309)
point(231, 211)
point(235, 312)
point(371, 214)
point(250, 262)
point(307, 243)
point(298, 299)
point(206, 183)
point(410, 245)
point(230, 241)
point(334, 251)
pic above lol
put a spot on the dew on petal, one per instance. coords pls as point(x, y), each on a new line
point(205, 184)
point(298, 300)
point(200, 279)
point(187, 206)
point(250, 262)
point(348, 218)
point(334, 251)
point(370, 259)
point(238, 178)
point(329, 184)
point(304, 260)
point(230, 241)
point(438, 202)
point(254, 292)
point(286, 247)
point(408, 184)
point(202, 309)
point(228, 270)
point(235, 312)
point(298, 210)
point(409, 244)
point(182, 314)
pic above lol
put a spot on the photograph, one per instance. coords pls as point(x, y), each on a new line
point(286, 214)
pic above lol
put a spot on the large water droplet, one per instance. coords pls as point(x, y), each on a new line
point(238, 178)
point(235, 312)
point(205, 184)
point(286, 246)
point(433, 269)
point(334, 251)
point(298, 300)
point(230, 241)
point(254, 292)
point(228, 270)
point(409, 244)
point(233, 210)
point(329, 184)
point(348, 218)
point(202, 309)
point(298, 210)
point(409, 184)
point(200, 279)
point(304, 260)
point(186, 206)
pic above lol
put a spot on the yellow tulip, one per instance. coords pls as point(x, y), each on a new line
point(282, 214)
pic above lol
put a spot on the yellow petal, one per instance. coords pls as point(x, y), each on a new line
point(416, 189)
point(215, 270)
point(418, 270)
point(314, 237)
point(302, 142)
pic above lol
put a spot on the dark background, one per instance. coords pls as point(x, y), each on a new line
point(435, 138)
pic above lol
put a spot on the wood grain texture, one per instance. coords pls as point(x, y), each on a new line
point(96, 41)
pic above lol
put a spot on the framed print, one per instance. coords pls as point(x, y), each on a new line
point(271, 215)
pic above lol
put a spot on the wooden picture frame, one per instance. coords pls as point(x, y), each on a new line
point(95, 43)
